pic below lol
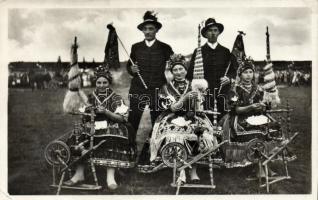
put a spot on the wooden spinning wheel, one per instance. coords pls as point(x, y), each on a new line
point(174, 151)
point(255, 150)
point(57, 152)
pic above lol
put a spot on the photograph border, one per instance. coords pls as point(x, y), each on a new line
point(5, 6)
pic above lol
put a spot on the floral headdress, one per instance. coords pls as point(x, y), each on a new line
point(177, 59)
point(246, 64)
point(103, 71)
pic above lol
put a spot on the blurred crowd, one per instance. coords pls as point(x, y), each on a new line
point(293, 77)
point(46, 79)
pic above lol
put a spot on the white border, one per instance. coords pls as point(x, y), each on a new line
point(5, 5)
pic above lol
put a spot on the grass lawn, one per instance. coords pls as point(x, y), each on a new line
point(36, 118)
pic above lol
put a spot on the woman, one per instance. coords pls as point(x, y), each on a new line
point(247, 106)
point(178, 123)
point(110, 125)
point(246, 116)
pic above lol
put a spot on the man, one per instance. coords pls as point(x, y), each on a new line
point(216, 59)
point(149, 57)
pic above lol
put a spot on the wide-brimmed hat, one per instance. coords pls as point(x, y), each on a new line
point(150, 18)
point(209, 23)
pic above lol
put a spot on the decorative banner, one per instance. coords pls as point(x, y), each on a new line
point(111, 50)
point(238, 48)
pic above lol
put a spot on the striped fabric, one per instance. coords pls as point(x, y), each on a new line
point(198, 72)
point(271, 92)
point(199, 84)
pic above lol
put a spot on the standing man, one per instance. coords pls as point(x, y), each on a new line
point(149, 57)
point(216, 59)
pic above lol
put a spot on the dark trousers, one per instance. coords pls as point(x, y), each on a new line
point(138, 101)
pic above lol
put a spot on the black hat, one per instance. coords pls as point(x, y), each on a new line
point(209, 23)
point(150, 18)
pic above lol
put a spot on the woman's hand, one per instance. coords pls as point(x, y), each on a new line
point(101, 109)
point(112, 116)
point(108, 113)
point(258, 106)
point(191, 95)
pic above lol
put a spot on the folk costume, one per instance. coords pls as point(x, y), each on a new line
point(119, 150)
point(110, 138)
point(244, 94)
point(151, 58)
point(179, 125)
point(216, 59)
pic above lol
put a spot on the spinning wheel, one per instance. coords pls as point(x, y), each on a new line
point(174, 151)
point(57, 152)
point(256, 149)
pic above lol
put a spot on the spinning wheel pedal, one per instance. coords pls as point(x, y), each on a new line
point(80, 187)
point(194, 186)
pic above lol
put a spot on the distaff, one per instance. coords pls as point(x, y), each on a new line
point(199, 84)
point(271, 92)
point(74, 97)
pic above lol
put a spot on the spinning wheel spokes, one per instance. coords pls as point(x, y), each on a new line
point(173, 151)
point(56, 150)
point(255, 150)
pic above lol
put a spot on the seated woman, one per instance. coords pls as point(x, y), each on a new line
point(178, 123)
point(247, 107)
point(110, 125)
point(246, 117)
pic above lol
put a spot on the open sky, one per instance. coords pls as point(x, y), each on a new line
point(38, 34)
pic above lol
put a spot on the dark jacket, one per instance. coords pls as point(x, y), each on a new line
point(215, 62)
point(152, 62)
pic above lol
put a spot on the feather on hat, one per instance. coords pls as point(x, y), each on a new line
point(150, 18)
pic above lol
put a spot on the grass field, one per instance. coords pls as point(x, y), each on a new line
point(36, 118)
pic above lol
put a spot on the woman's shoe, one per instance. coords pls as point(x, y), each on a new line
point(112, 186)
point(195, 181)
point(72, 183)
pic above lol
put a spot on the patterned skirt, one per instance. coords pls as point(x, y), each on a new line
point(113, 146)
point(117, 150)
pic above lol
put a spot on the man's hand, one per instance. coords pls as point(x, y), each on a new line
point(135, 68)
point(225, 80)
